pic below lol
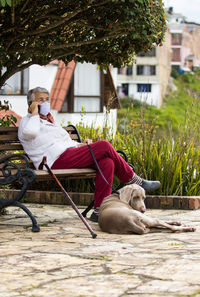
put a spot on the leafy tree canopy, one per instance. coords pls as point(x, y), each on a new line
point(96, 31)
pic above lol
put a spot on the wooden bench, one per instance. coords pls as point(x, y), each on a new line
point(15, 166)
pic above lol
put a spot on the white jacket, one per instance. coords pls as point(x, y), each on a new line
point(41, 138)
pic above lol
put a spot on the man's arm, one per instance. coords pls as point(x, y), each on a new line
point(30, 126)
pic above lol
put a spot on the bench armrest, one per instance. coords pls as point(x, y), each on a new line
point(11, 171)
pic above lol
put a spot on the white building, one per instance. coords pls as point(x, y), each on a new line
point(147, 80)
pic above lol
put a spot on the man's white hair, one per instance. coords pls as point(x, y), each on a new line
point(31, 94)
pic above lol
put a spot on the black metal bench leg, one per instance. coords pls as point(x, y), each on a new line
point(90, 206)
point(35, 227)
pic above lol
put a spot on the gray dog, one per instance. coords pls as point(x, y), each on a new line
point(124, 214)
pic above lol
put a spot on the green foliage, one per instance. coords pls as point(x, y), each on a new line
point(174, 162)
point(128, 102)
point(98, 31)
point(174, 73)
point(188, 78)
point(3, 3)
point(7, 120)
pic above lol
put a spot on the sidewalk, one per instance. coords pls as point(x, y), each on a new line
point(62, 260)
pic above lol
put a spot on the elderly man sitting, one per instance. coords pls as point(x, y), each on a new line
point(41, 136)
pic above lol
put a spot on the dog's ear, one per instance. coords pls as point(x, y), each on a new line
point(133, 196)
point(126, 193)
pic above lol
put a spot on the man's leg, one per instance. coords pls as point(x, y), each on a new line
point(102, 189)
point(80, 157)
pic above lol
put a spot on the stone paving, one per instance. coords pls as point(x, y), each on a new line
point(62, 260)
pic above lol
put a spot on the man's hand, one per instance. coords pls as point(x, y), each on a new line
point(33, 109)
point(87, 141)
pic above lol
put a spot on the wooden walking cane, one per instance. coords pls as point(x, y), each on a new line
point(44, 163)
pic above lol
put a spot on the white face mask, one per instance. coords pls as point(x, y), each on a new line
point(45, 108)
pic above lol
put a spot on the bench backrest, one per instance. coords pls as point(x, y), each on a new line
point(10, 144)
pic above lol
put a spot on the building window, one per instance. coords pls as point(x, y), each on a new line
point(85, 91)
point(17, 84)
point(125, 89)
point(125, 70)
point(176, 38)
point(176, 55)
point(176, 67)
point(144, 88)
point(121, 70)
point(129, 70)
point(151, 53)
point(190, 29)
point(146, 70)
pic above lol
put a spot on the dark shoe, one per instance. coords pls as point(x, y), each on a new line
point(94, 217)
point(147, 185)
point(150, 186)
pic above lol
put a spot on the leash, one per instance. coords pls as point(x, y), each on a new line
point(99, 169)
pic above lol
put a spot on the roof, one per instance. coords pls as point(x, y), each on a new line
point(61, 84)
point(4, 113)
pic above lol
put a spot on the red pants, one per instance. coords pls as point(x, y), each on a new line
point(110, 163)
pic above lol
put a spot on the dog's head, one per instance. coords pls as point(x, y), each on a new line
point(134, 195)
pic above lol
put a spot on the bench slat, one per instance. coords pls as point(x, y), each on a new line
point(74, 136)
point(9, 137)
point(11, 147)
point(15, 129)
point(8, 129)
point(67, 173)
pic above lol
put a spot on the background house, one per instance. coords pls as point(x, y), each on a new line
point(147, 79)
point(77, 91)
point(185, 42)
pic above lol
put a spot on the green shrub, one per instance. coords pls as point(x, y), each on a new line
point(129, 102)
point(174, 73)
point(188, 78)
point(7, 120)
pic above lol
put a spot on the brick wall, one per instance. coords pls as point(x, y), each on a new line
point(84, 199)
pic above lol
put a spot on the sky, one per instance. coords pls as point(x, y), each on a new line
point(189, 8)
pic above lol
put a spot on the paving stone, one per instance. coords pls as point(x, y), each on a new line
point(62, 260)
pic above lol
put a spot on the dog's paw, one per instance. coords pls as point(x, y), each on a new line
point(174, 223)
point(146, 230)
point(189, 229)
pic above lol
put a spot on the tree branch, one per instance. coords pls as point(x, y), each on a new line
point(73, 45)
point(14, 70)
point(65, 19)
point(88, 42)
point(24, 6)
